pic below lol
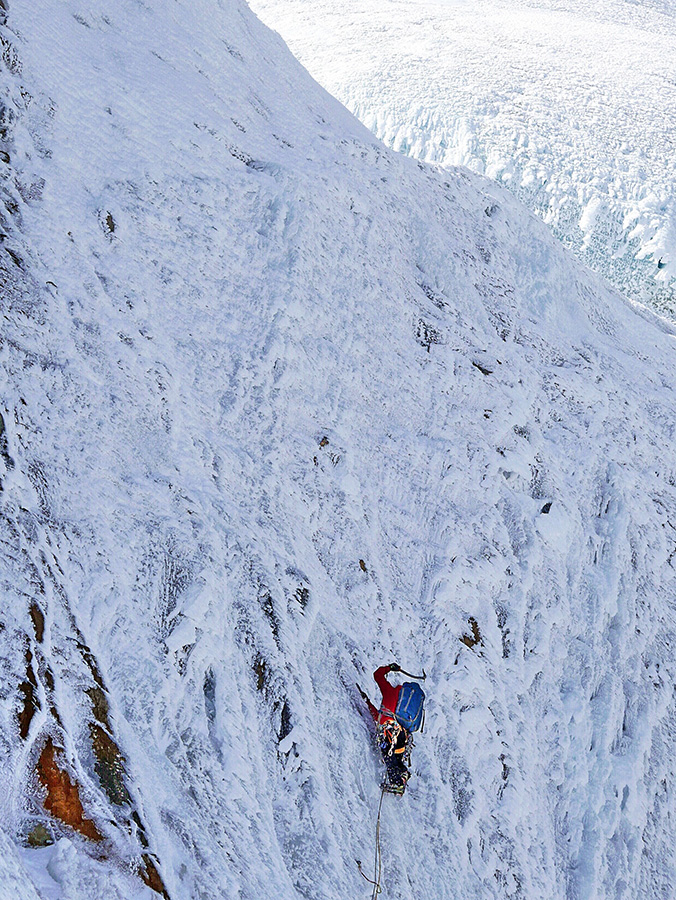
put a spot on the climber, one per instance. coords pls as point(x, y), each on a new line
point(393, 739)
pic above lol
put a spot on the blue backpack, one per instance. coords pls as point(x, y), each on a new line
point(410, 706)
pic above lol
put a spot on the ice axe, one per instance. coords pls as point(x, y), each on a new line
point(408, 674)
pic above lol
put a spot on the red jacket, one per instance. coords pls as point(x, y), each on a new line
point(390, 695)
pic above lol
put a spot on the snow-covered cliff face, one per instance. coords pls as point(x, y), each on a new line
point(279, 405)
point(570, 103)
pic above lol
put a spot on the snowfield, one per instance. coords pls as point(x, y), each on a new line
point(569, 104)
point(279, 405)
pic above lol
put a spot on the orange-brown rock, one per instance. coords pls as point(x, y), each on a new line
point(63, 797)
point(475, 638)
point(152, 877)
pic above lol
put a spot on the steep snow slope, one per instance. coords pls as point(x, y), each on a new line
point(570, 104)
point(278, 405)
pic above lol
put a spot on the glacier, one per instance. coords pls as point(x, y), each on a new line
point(569, 104)
point(280, 405)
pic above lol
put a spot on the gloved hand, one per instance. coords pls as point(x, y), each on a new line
point(395, 667)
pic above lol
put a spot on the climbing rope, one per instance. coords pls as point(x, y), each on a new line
point(379, 857)
point(378, 862)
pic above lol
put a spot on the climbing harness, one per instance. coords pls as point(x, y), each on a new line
point(378, 861)
point(389, 732)
point(389, 737)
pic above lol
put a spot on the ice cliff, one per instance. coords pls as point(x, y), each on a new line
point(279, 405)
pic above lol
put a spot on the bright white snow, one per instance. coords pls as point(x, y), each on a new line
point(244, 347)
point(569, 103)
